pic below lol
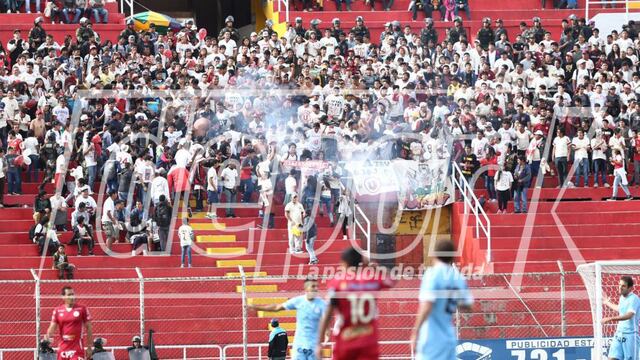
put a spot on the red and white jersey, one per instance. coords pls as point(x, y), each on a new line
point(353, 297)
point(71, 324)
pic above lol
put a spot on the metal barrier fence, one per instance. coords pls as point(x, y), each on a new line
point(205, 317)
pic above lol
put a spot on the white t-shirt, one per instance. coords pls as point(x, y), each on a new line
point(89, 157)
point(504, 182)
point(560, 145)
point(295, 213)
point(212, 177)
point(581, 146)
point(61, 113)
point(599, 147)
point(106, 207)
point(479, 147)
point(229, 176)
point(523, 139)
point(290, 185)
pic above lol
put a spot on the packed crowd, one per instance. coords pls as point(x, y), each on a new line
point(314, 93)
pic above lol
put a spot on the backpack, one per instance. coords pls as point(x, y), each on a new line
point(163, 215)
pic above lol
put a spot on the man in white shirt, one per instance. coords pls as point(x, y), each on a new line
point(290, 184)
point(294, 211)
point(229, 179)
point(212, 192)
point(560, 154)
point(599, 147)
point(60, 112)
point(109, 223)
point(581, 146)
point(159, 186)
point(479, 145)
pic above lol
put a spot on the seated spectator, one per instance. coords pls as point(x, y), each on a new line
point(69, 7)
point(41, 206)
point(82, 234)
point(99, 12)
point(27, 6)
point(61, 263)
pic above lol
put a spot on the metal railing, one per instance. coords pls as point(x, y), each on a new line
point(472, 203)
point(361, 221)
point(602, 3)
point(260, 348)
point(128, 3)
point(286, 8)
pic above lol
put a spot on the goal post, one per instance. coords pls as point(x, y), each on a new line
point(601, 280)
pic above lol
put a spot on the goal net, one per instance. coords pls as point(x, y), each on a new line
point(601, 280)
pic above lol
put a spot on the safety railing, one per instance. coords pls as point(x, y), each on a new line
point(284, 4)
point(260, 347)
point(472, 203)
point(361, 221)
point(628, 5)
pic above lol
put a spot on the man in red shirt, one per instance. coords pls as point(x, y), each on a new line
point(352, 297)
point(70, 318)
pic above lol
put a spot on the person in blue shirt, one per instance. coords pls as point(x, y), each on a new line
point(626, 341)
point(278, 342)
point(442, 292)
point(309, 310)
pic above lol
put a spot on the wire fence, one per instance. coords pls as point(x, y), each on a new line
point(205, 318)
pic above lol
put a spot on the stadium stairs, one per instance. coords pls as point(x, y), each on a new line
point(196, 311)
point(568, 226)
point(511, 12)
point(24, 23)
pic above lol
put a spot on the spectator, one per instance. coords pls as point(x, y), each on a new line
point(162, 218)
point(278, 341)
point(581, 147)
point(503, 184)
point(266, 192)
point(41, 206)
point(185, 233)
point(3, 178)
point(294, 212)
point(213, 196)
point(69, 8)
point(560, 154)
point(620, 176)
point(290, 185)
point(27, 6)
point(310, 236)
point(229, 179)
point(522, 179)
point(345, 211)
point(80, 211)
point(13, 173)
point(99, 12)
point(88, 201)
point(110, 224)
point(491, 161)
point(61, 263)
point(59, 211)
point(82, 234)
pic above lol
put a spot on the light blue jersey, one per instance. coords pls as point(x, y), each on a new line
point(446, 288)
point(308, 314)
point(625, 344)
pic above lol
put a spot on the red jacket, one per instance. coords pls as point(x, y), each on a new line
point(178, 179)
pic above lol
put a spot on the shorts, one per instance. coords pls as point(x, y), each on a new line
point(624, 347)
point(109, 230)
point(70, 351)
point(212, 197)
point(346, 352)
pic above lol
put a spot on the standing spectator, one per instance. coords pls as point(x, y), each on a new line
point(491, 161)
point(162, 217)
point(212, 192)
point(31, 149)
point(620, 176)
point(90, 159)
point(294, 212)
point(124, 181)
point(503, 183)
point(560, 154)
point(266, 191)
point(185, 233)
point(581, 146)
point(345, 211)
point(522, 177)
point(247, 173)
point(61, 263)
point(229, 179)
point(290, 184)
point(599, 155)
point(636, 159)
point(159, 186)
point(59, 211)
point(13, 173)
point(533, 153)
point(82, 234)
point(99, 12)
point(3, 178)
point(325, 199)
point(109, 221)
point(310, 236)
point(278, 342)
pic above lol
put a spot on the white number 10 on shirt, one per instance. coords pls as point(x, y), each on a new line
point(359, 313)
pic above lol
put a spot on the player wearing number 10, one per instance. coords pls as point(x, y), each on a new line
point(352, 297)
point(442, 291)
point(626, 343)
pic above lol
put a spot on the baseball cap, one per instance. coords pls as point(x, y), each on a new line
point(136, 338)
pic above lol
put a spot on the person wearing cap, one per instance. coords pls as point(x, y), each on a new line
point(485, 34)
point(309, 310)
point(37, 35)
point(498, 30)
point(130, 30)
point(336, 31)
point(268, 28)
point(298, 28)
point(360, 30)
point(228, 28)
point(137, 351)
point(428, 32)
point(313, 29)
point(538, 30)
point(456, 31)
point(278, 341)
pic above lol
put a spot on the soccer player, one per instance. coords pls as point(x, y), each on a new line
point(309, 309)
point(70, 318)
point(442, 291)
point(626, 342)
point(352, 298)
